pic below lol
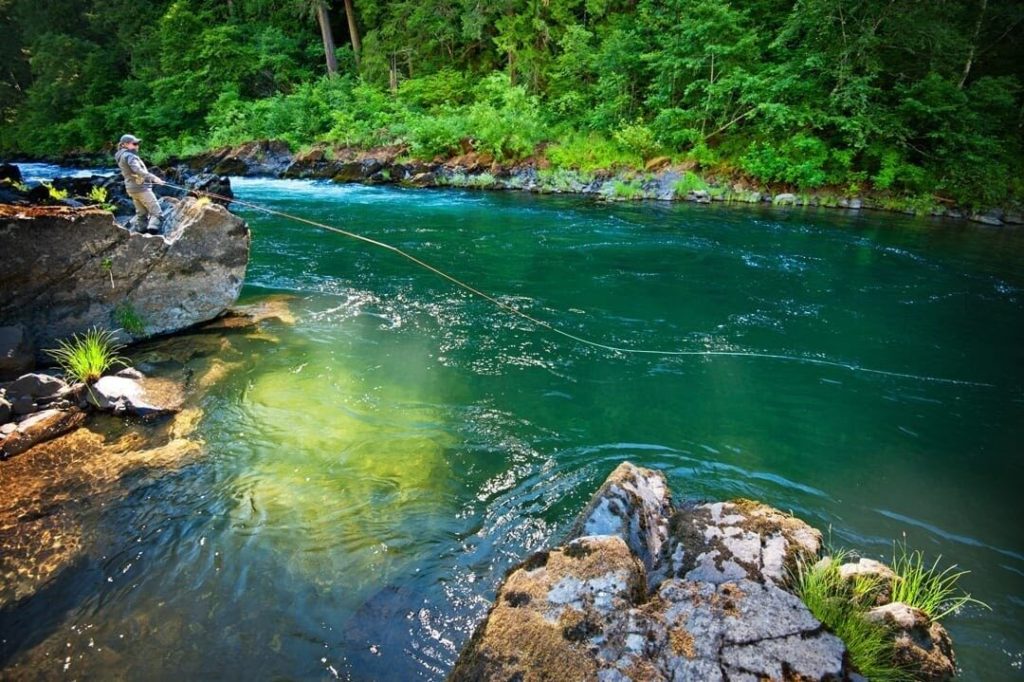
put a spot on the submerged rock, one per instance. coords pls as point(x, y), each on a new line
point(640, 592)
point(39, 427)
point(140, 396)
point(67, 271)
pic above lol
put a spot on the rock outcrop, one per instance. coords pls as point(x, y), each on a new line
point(644, 592)
point(67, 270)
point(258, 157)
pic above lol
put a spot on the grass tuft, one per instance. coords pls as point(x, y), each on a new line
point(840, 605)
point(129, 319)
point(926, 587)
point(689, 182)
point(85, 358)
point(627, 189)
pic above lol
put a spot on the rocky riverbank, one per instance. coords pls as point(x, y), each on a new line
point(65, 449)
point(643, 589)
point(661, 179)
point(71, 266)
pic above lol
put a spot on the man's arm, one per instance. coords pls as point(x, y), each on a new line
point(140, 171)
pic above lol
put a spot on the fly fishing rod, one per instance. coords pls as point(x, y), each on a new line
point(561, 332)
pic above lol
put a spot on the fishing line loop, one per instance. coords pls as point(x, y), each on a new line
point(569, 335)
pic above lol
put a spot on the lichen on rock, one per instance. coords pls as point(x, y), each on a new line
point(660, 594)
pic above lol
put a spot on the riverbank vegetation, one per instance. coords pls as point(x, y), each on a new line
point(844, 603)
point(920, 101)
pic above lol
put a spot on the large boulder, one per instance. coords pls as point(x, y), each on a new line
point(643, 592)
point(66, 271)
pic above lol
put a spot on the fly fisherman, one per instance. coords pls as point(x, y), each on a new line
point(138, 182)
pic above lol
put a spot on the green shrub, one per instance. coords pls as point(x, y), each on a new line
point(562, 179)
point(430, 136)
point(98, 194)
point(505, 121)
point(55, 194)
point(637, 138)
point(85, 358)
point(800, 161)
point(444, 88)
point(480, 181)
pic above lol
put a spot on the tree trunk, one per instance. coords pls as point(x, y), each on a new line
point(393, 74)
point(974, 45)
point(325, 32)
point(353, 30)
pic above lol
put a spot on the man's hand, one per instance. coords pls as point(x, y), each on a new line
point(159, 181)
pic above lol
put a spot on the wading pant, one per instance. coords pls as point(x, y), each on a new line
point(146, 207)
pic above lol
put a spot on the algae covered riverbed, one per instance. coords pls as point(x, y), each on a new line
point(363, 475)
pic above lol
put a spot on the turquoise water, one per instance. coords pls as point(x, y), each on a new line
point(371, 472)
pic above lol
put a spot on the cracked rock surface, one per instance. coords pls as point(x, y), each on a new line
point(641, 591)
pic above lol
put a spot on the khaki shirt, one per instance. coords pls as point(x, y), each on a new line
point(137, 177)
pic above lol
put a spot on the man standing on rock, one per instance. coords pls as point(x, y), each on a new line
point(138, 182)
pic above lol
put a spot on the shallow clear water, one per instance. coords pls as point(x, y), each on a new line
point(371, 472)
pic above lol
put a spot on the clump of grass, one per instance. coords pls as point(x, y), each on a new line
point(128, 319)
point(626, 190)
point(480, 181)
point(926, 587)
point(590, 153)
point(689, 182)
point(840, 605)
point(85, 358)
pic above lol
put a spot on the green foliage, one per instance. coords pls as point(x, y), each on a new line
point(441, 134)
point(910, 99)
point(98, 194)
point(55, 194)
point(128, 318)
point(689, 182)
point(85, 358)
point(631, 189)
point(442, 89)
point(505, 120)
point(926, 587)
point(840, 606)
point(562, 179)
point(802, 161)
point(589, 153)
point(637, 138)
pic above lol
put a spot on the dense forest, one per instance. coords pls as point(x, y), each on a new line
point(913, 98)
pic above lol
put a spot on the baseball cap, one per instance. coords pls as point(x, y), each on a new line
point(125, 139)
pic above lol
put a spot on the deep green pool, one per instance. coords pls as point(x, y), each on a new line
point(370, 476)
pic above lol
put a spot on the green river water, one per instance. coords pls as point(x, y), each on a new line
point(370, 473)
